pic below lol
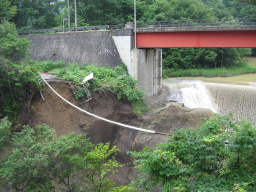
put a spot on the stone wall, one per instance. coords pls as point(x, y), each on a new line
point(93, 48)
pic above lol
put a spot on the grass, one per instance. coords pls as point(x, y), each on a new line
point(115, 80)
point(217, 72)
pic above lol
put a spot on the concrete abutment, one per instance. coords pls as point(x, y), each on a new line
point(102, 48)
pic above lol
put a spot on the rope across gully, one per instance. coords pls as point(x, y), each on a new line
point(101, 118)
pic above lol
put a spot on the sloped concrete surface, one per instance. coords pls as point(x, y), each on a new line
point(93, 48)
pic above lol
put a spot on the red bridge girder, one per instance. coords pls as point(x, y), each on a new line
point(197, 39)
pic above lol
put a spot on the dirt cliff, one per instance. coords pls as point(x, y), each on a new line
point(163, 117)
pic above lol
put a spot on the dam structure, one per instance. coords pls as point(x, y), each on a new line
point(109, 47)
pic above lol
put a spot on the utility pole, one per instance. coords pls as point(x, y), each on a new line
point(135, 23)
point(68, 15)
point(75, 14)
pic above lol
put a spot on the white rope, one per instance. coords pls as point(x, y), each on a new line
point(98, 117)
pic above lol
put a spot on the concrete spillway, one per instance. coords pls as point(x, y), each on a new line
point(220, 98)
point(237, 99)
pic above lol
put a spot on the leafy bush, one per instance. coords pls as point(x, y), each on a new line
point(41, 162)
point(5, 132)
point(218, 156)
point(18, 79)
point(203, 58)
point(218, 72)
point(46, 66)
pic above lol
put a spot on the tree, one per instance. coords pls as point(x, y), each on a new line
point(36, 14)
point(40, 161)
point(241, 9)
point(18, 80)
point(211, 57)
point(247, 1)
point(5, 133)
point(6, 10)
point(218, 156)
point(220, 11)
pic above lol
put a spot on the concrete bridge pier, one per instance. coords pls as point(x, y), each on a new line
point(146, 67)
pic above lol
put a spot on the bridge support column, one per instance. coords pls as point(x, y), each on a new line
point(146, 67)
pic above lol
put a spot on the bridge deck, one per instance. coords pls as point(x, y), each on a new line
point(153, 29)
point(205, 39)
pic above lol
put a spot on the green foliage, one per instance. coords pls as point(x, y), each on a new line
point(5, 132)
point(218, 156)
point(41, 162)
point(37, 14)
point(12, 47)
point(100, 162)
point(218, 72)
point(6, 10)
point(140, 107)
point(18, 80)
point(47, 66)
point(190, 58)
point(124, 66)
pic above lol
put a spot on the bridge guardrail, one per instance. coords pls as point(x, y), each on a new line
point(64, 29)
point(156, 24)
point(116, 26)
point(197, 23)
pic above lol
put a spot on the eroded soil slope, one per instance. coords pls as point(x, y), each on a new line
point(164, 117)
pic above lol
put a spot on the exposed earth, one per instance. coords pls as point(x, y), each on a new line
point(163, 117)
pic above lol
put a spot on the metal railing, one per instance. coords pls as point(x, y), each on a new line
point(197, 23)
point(102, 27)
point(116, 26)
point(156, 24)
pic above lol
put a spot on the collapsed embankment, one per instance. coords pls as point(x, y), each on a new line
point(64, 119)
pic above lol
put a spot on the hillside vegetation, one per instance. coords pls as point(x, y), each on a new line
point(218, 156)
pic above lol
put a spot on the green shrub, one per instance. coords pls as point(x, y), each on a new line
point(47, 66)
point(5, 132)
point(216, 72)
point(218, 156)
point(39, 161)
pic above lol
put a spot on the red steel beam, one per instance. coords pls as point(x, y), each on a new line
point(239, 39)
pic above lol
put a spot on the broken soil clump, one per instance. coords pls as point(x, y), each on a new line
point(164, 117)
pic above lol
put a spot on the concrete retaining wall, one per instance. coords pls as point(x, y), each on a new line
point(93, 48)
point(102, 48)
